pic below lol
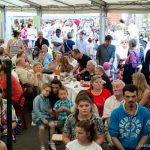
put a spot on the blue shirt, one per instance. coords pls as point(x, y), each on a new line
point(45, 63)
point(129, 129)
point(48, 56)
point(64, 114)
point(68, 45)
point(40, 108)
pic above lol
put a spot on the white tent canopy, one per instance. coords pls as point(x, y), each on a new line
point(75, 6)
point(72, 6)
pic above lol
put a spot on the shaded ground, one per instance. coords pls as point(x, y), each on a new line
point(28, 140)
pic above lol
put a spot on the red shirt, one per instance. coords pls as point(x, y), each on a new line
point(16, 88)
point(99, 100)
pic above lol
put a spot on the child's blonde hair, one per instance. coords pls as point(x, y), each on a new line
point(45, 85)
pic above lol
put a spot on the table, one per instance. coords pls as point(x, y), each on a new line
point(73, 87)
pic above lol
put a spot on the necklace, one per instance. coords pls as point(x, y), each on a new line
point(98, 92)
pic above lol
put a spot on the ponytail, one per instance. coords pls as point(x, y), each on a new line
point(89, 128)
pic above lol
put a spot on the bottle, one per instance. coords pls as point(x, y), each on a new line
point(58, 70)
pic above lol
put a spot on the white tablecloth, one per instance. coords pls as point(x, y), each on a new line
point(73, 89)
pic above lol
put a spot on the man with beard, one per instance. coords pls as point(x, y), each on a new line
point(129, 123)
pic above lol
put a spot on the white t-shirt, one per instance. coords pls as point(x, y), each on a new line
point(81, 46)
point(73, 63)
point(58, 40)
point(110, 104)
point(122, 53)
point(74, 145)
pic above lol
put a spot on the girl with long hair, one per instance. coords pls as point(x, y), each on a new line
point(143, 89)
point(85, 137)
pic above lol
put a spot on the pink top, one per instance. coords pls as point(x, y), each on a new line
point(133, 58)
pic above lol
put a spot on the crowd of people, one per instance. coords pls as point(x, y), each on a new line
point(113, 113)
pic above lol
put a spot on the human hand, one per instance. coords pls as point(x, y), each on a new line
point(63, 108)
point(38, 74)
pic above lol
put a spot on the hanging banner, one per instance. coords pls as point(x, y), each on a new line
point(37, 22)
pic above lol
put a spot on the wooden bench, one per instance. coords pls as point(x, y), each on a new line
point(57, 137)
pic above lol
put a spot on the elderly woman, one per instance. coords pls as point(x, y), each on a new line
point(131, 62)
point(99, 70)
point(143, 89)
point(39, 77)
point(56, 62)
point(84, 111)
point(99, 93)
point(89, 72)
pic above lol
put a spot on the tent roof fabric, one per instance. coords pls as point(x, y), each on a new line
point(67, 5)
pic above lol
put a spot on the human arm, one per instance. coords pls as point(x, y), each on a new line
point(45, 63)
point(75, 68)
point(82, 71)
point(100, 131)
point(36, 78)
point(8, 47)
point(114, 129)
point(58, 110)
point(145, 97)
point(100, 139)
point(68, 129)
point(145, 132)
point(66, 138)
point(117, 143)
point(22, 46)
point(68, 108)
point(107, 109)
point(142, 142)
point(112, 55)
point(98, 55)
point(36, 108)
point(52, 65)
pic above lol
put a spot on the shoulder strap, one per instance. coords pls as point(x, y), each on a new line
point(68, 46)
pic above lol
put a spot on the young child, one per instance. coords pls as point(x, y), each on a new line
point(108, 71)
point(41, 115)
point(85, 137)
point(62, 107)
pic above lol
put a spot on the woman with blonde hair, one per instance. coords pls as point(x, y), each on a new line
point(65, 66)
point(143, 89)
point(99, 70)
point(98, 93)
